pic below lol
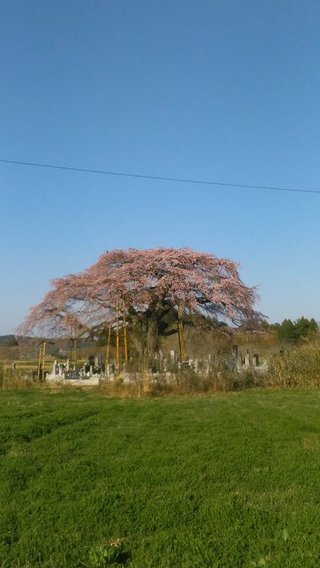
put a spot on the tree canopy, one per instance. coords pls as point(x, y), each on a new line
point(147, 284)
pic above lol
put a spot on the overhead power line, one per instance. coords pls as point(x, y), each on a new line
point(159, 178)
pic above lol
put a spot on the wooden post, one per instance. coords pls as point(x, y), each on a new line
point(42, 359)
point(180, 333)
point(117, 336)
point(39, 361)
point(74, 351)
point(108, 349)
point(125, 338)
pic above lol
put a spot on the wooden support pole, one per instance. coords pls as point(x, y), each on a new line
point(117, 336)
point(74, 354)
point(181, 333)
point(108, 348)
point(125, 338)
point(41, 360)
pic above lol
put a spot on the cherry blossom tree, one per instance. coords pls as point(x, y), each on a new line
point(144, 284)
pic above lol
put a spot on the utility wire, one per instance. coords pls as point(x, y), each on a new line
point(159, 178)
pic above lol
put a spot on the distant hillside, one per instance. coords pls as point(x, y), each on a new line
point(24, 347)
point(9, 340)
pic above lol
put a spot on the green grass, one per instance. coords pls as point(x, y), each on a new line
point(224, 481)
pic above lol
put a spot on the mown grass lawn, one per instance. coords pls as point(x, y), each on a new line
point(224, 481)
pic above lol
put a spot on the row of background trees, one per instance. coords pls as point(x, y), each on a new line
point(294, 332)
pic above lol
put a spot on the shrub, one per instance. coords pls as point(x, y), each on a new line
point(112, 553)
point(296, 368)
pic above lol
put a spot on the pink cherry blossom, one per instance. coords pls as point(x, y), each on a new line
point(151, 282)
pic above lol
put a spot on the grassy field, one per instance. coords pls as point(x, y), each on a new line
point(224, 481)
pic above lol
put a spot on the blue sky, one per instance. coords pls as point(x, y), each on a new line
point(224, 91)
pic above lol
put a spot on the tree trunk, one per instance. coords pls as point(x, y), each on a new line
point(153, 319)
point(152, 334)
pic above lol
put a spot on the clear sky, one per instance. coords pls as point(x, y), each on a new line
point(216, 90)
